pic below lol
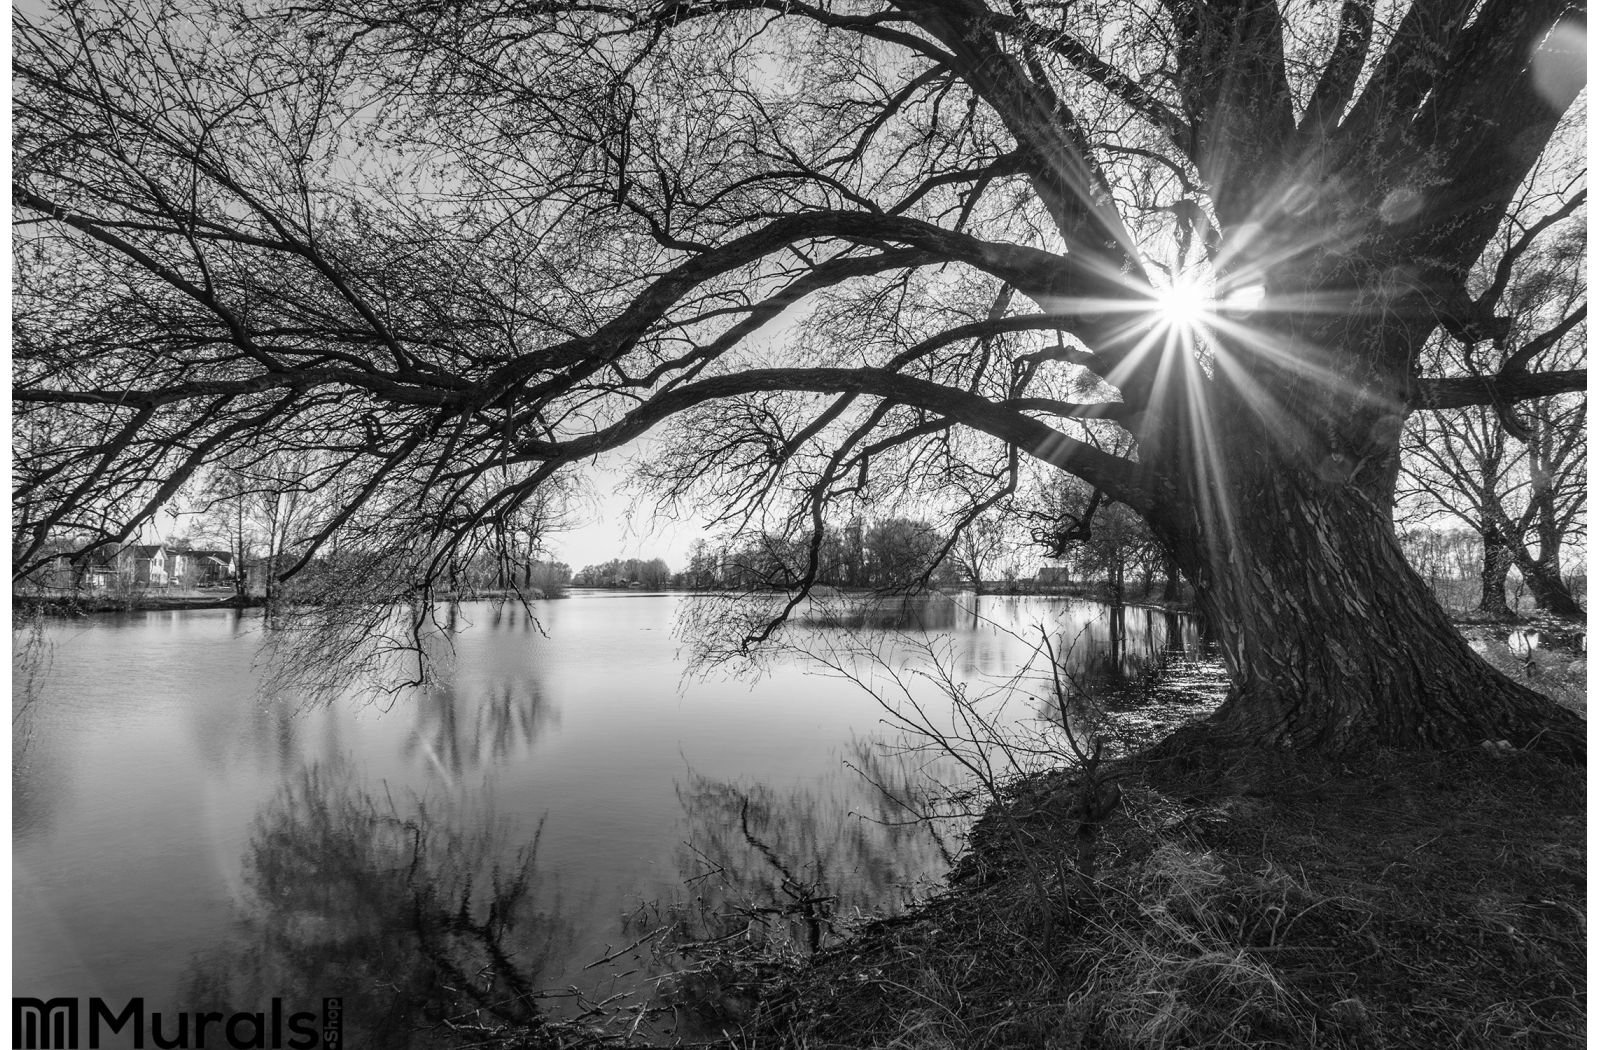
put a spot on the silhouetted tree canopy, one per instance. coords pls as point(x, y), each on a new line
point(833, 255)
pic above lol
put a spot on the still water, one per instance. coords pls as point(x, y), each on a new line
point(541, 825)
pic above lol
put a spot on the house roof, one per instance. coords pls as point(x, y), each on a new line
point(198, 552)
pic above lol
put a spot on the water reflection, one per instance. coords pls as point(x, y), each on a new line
point(923, 612)
point(1023, 684)
point(491, 702)
point(1096, 644)
point(767, 869)
point(1130, 677)
point(461, 733)
point(152, 743)
point(427, 930)
point(770, 862)
point(1118, 662)
point(513, 616)
point(32, 654)
point(1573, 640)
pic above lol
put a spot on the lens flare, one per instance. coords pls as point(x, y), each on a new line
point(1184, 305)
point(1249, 297)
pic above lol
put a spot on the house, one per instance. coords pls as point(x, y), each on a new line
point(212, 568)
point(198, 567)
point(1053, 576)
point(177, 565)
point(143, 565)
point(133, 567)
point(101, 573)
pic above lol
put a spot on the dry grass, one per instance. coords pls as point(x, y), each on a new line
point(1243, 901)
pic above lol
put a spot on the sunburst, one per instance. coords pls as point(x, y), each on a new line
point(1185, 305)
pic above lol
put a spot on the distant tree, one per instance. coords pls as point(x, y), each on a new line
point(1558, 500)
point(1443, 554)
point(264, 507)
point(901, 552)
point(1517, 474)
point(705, 567)
point(605, 574)
point(653, 573)
point(1524, 500)
point(1100, 538)
point(548, 576)
point(981, 546)
point(853, 555)
point(765, 561)
point(226, 517)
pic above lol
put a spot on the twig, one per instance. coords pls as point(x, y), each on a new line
point(623, 951)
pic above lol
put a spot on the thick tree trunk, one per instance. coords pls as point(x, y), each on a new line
point(1543, 574)
point(1550, 593)
point(1334, 642)
point(1496, 565)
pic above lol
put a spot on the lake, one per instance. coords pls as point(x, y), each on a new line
point(560, 809)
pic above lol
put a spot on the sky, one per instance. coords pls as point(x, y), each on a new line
point(614, 523)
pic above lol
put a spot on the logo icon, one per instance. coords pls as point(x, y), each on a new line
point(52, 1024)
point(44, 1024)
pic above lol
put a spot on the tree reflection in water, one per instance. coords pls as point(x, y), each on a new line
point(916, 612)
point(769, 872)
point(778, 866)
point(466, 731)
point(1111, 647)
point(1128, 687)
point(433, 935)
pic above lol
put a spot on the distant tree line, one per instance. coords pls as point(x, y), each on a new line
point(650, 573)
point(893, 553)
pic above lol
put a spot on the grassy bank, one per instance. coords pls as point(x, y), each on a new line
point(1236, 900)
point(1240, 901)
point(82, 605)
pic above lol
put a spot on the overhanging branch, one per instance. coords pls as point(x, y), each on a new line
point(1120, 477)
point(1466, 391)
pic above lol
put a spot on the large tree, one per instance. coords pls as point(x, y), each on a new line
point(832, 253)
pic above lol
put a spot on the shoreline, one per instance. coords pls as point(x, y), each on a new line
point(85, 605)
point(1246, 899)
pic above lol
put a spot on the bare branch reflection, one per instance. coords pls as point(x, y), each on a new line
point(466, 730)
point(788, 866)
point(433, 931)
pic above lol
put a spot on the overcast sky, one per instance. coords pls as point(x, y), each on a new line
point(619, 524)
